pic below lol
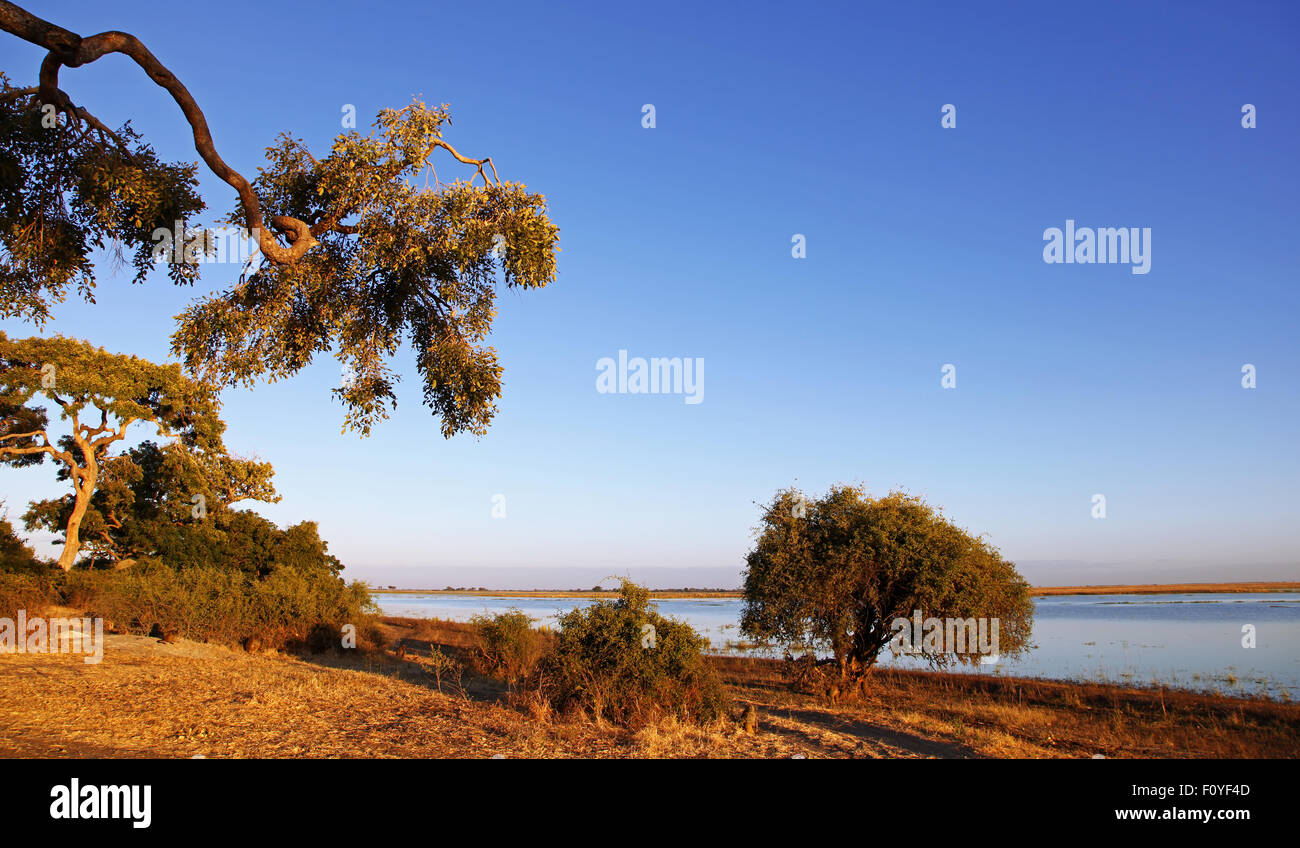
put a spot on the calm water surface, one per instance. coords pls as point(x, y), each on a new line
point(1191, 641)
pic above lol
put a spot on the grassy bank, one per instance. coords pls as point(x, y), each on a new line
point(922, 713)
point(148, 698)
point(1015, 717)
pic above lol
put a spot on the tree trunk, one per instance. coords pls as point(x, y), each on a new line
point(840, 650)
point(72, 536)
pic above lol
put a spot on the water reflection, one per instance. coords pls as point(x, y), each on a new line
point(1192, 641)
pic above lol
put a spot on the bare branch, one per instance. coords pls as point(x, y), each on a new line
point(437, 142)
point(7, 451)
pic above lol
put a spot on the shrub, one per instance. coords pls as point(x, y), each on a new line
point(623, 662)
point(26, 583)
point(508, 644)
point(443, 666)
point(25, 591)
point(16, 556)
point(224, 605)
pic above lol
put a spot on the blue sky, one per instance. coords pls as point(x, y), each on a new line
point(924, 247)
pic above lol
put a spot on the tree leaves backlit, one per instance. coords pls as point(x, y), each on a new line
point(68, 188)
point(403, 258)
point(100, 395)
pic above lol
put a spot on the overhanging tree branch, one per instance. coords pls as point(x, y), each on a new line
point(67, 49)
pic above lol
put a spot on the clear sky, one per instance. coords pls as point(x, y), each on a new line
point(924, 248)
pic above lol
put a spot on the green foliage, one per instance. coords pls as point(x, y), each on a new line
point(79, 377)
point(69, 189)
point(389, 259)
point(174, 504)
point(16, 557)
point(29, 591)
point(396, 261)
point(508, 644)
point(212, 604)
point(609, 662)
point(238, 540)
point(837, 571)
point(101, 395)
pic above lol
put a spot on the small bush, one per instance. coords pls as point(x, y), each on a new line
point(30, 592)
point(508, 645)
point(442, 666)
point(16, 556)
point(623, 662)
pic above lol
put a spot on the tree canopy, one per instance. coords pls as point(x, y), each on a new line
point(358, 254)
point(416, 264)
point(167, 502)
point(838, 571)
point(71, 187)
point(100, 395)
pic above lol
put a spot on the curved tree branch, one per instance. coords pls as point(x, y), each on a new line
point(67, 49)
point(468, 161)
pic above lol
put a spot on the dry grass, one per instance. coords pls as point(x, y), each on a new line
point(148, 699)
point(1011, 717)
point(224, 703)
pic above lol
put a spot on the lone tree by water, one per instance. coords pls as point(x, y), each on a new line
point(100, 395)
point(360, 251)
point(839, 571)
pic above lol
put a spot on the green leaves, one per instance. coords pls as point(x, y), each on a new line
point(398, 263)
point(67, 189)
point(101, 395)
point(398, 256)
point(77, 377)
point(835, 572)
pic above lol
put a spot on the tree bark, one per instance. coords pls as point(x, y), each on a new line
point(84, 488)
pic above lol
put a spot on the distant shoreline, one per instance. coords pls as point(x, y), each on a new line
point(1168, 588)
point(661, 594)
point(1038, 591)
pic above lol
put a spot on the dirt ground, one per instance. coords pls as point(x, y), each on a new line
point(149, 699)
point(187, 699)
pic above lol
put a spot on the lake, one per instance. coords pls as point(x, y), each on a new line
point(1192, 641)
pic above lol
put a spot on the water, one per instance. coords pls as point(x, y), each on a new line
point(1191, 641)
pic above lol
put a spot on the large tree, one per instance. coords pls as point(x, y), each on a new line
point(168, 502)
point(361, 251)
point(100, 395)
point(839, 570)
